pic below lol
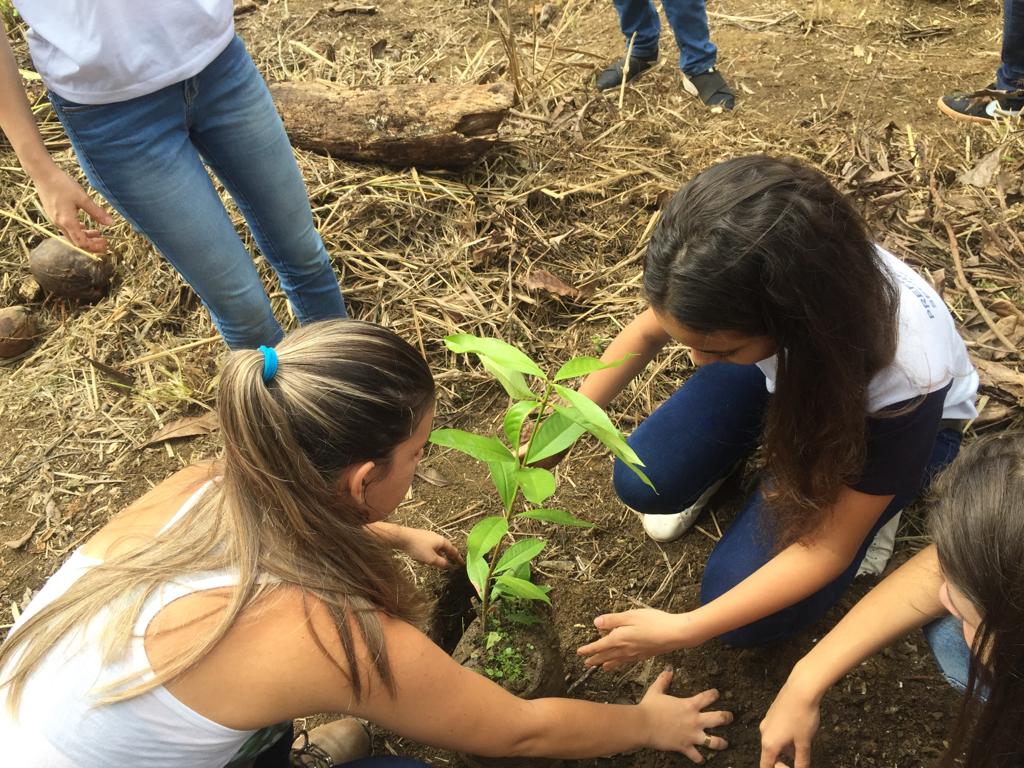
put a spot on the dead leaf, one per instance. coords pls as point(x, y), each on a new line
point(992, 413)
point(937, 280)
point(190, 426)
point(22, 540)
point(342, 8)
point(378, 48)
point(1000, 377)
point(858, 51)
point(432, 476)
point(542, 280)
point(119, 376)
point(984, 172)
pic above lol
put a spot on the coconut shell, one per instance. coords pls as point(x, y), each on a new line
point(17, 331)
point(64, 271)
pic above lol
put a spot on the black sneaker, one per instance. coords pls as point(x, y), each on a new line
point(984, 106)
point(711, 88)
point(611, 76)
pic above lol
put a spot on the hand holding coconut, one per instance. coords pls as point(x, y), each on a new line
point(62, 198)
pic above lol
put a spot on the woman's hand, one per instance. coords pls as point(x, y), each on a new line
point(428, 548)
point(680, 725)
point(789, 728)
point(62, 198)
point(635, 635)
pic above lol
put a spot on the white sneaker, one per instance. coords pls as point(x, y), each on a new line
point(665, 528)
point(880, 549)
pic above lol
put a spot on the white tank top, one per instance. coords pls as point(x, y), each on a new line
point(102, 51)
point(59, 724)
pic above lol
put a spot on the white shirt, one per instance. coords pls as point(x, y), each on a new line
point(929, 351)
point(103, 51)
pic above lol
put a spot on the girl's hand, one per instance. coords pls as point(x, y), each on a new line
point(635, 635)
point(789, 728)
point(428, 548)
point(62, 198)
point(680, 725)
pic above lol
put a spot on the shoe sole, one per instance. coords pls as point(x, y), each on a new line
point(950, 112)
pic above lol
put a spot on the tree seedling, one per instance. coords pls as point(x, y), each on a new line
point(558, 416)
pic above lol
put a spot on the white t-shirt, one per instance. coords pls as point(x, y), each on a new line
point(103, 51)
point(929, 351)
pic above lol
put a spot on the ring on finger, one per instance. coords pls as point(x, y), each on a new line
point(707, 742)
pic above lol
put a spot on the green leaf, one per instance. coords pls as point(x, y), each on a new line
point(537, 484)
point(514, 418)
point(513, 381)
point(583, 366)
point(559, 516)
point(522, 571)
point(521, 552)
point(522, 588)
point(500, 352)
point(477, 446)
point(590, 415)
point(556, 433)
point(485, 535)
point(476, 570)
point(503, 474)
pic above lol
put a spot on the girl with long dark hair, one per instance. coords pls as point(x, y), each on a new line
point(198, 623)
point(966, 590)
point(810, 340)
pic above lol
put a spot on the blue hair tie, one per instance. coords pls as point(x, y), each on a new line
point(269, 363)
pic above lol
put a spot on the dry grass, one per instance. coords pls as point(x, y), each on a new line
point(574, 191)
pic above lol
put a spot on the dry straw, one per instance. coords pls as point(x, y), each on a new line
point(574, 191)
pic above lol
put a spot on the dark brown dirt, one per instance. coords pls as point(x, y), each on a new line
point(894, 710)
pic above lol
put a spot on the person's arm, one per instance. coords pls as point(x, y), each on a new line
point(907, 599)
point(441, 703)
point(639, 342)
point(62, 197)
point(636, 344)
point(796, 572)
point(425, 547)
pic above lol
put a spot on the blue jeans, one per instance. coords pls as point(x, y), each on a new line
point(1010, 76)
point(146, 157)
point(689, 22)
point(695, 438)
point(946, 638)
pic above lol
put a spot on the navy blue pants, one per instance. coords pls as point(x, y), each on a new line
point(1010, 76)
point(638, 20)
point(695, 438)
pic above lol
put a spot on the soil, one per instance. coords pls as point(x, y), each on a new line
point(893, 710)
point(835, 83)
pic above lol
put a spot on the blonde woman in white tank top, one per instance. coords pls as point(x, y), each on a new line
point(239, 596)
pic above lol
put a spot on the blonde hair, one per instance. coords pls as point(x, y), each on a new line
point(345, 392)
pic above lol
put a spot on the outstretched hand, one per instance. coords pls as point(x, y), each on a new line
point(789, 728)
point(681, 725)
point(634, 635)
point(62, 198)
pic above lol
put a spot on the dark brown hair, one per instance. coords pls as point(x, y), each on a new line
point(978, 527)
point(765, 246)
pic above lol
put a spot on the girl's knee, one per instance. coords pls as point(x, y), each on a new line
point(632, 491)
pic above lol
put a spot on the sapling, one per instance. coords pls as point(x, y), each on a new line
point(557, 416)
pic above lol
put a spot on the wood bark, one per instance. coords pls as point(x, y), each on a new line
point(430, 125)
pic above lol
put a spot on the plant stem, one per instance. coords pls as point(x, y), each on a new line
point(485, 598)
point(541, 418)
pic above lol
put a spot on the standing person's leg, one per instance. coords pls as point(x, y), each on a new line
point(747, 546)
point(691, 442)
point(640, 25)
point(698, 56)
point(1010, 76)
point(240, 135)
point(137, 154)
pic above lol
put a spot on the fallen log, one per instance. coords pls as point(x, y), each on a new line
point(430, 125)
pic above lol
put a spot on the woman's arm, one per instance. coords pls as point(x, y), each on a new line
point(639, 342)
point(907, 599)
point(61, 196)
point(798, 571)
point(444, 704)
